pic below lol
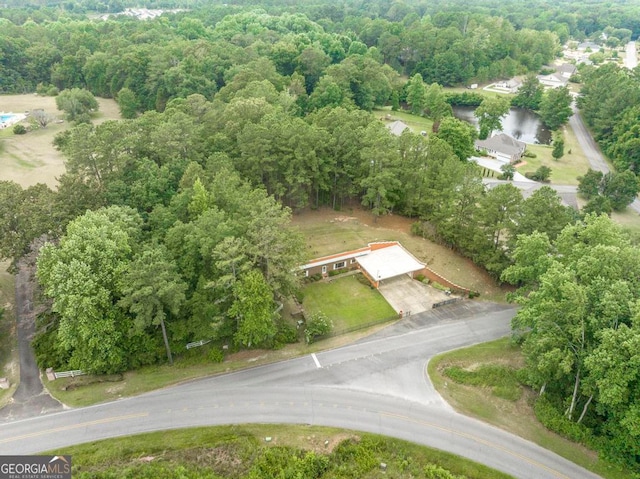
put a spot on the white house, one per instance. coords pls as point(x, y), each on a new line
point(502, 147)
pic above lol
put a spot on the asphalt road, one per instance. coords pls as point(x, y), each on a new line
point(631, 57)
point(591, 149)
point(377, 385)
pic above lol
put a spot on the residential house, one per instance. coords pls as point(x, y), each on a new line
point(559, 78)
point(397, 127)
point(377, 261)
point(502, 147)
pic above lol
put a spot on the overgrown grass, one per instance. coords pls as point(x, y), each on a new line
point(9, 360)
point(346, 302)
point(501, 380)
point(232, 451)
point(481, 381)
point(630, 221)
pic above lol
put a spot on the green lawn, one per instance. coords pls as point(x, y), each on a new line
point(347, 302)
point(495, 398)
point(564, 171)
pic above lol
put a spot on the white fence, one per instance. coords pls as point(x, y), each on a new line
point(51, 374)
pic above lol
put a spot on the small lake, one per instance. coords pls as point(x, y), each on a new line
point(521, 124)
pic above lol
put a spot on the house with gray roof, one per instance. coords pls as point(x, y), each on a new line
point(502, 147)
point(397, 127)
point(558, 78)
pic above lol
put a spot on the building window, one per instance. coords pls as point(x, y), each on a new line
point(353, 260)
point(339, 265)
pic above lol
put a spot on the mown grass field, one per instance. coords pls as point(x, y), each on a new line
point(415, 122)
point(564, 171)
point(347, 302)
point(232, 451)
point(481, 381)
point(31, 158)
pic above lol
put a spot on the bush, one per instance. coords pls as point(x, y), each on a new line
point(285, 334)
point(318, 325)
point(439, 286)
point(420, 277)
point(529, 154)
point(549, 416)
point(464, 99)
point(541, 174)
point(19, 129)
point(215, 355)
point(362, 279)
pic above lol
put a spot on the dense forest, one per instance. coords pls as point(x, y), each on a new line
point(172, 225)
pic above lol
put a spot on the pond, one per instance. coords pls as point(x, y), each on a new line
point(521, 124)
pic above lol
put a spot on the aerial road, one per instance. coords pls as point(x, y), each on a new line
point(377, 385)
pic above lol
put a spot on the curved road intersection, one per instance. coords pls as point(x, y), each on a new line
point(377, 385)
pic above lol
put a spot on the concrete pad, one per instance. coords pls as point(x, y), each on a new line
point(409, 295)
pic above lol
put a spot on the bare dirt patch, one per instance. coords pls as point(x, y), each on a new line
point(31, 158)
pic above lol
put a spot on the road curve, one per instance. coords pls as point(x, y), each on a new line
point(378, 385)
point(591, 149)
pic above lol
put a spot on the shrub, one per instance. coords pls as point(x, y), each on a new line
point(439, 286)
point(420, 277)
point(215, 355)
point(541, 174)
point(529, 154)
point(285, 334)
point(19, 129)
point(318, 325)
point(336, 272)
point(362, 279)
point(549, 416)
point(53, 91)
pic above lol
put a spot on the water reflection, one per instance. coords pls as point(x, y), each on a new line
point(524, 125)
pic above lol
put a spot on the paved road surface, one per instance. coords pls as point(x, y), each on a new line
point(30, 397)
point(377, 385)
point(591, 149)
point(631, 57)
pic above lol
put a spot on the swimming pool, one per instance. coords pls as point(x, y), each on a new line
point(6, 117)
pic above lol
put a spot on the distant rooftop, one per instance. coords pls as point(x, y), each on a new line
point(397, 127)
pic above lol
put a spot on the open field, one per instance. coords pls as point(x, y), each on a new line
point(484, 401)
point(229, 451)
point(415, 122)
point(327, 231)
point(31, 158)
point(346, 302)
